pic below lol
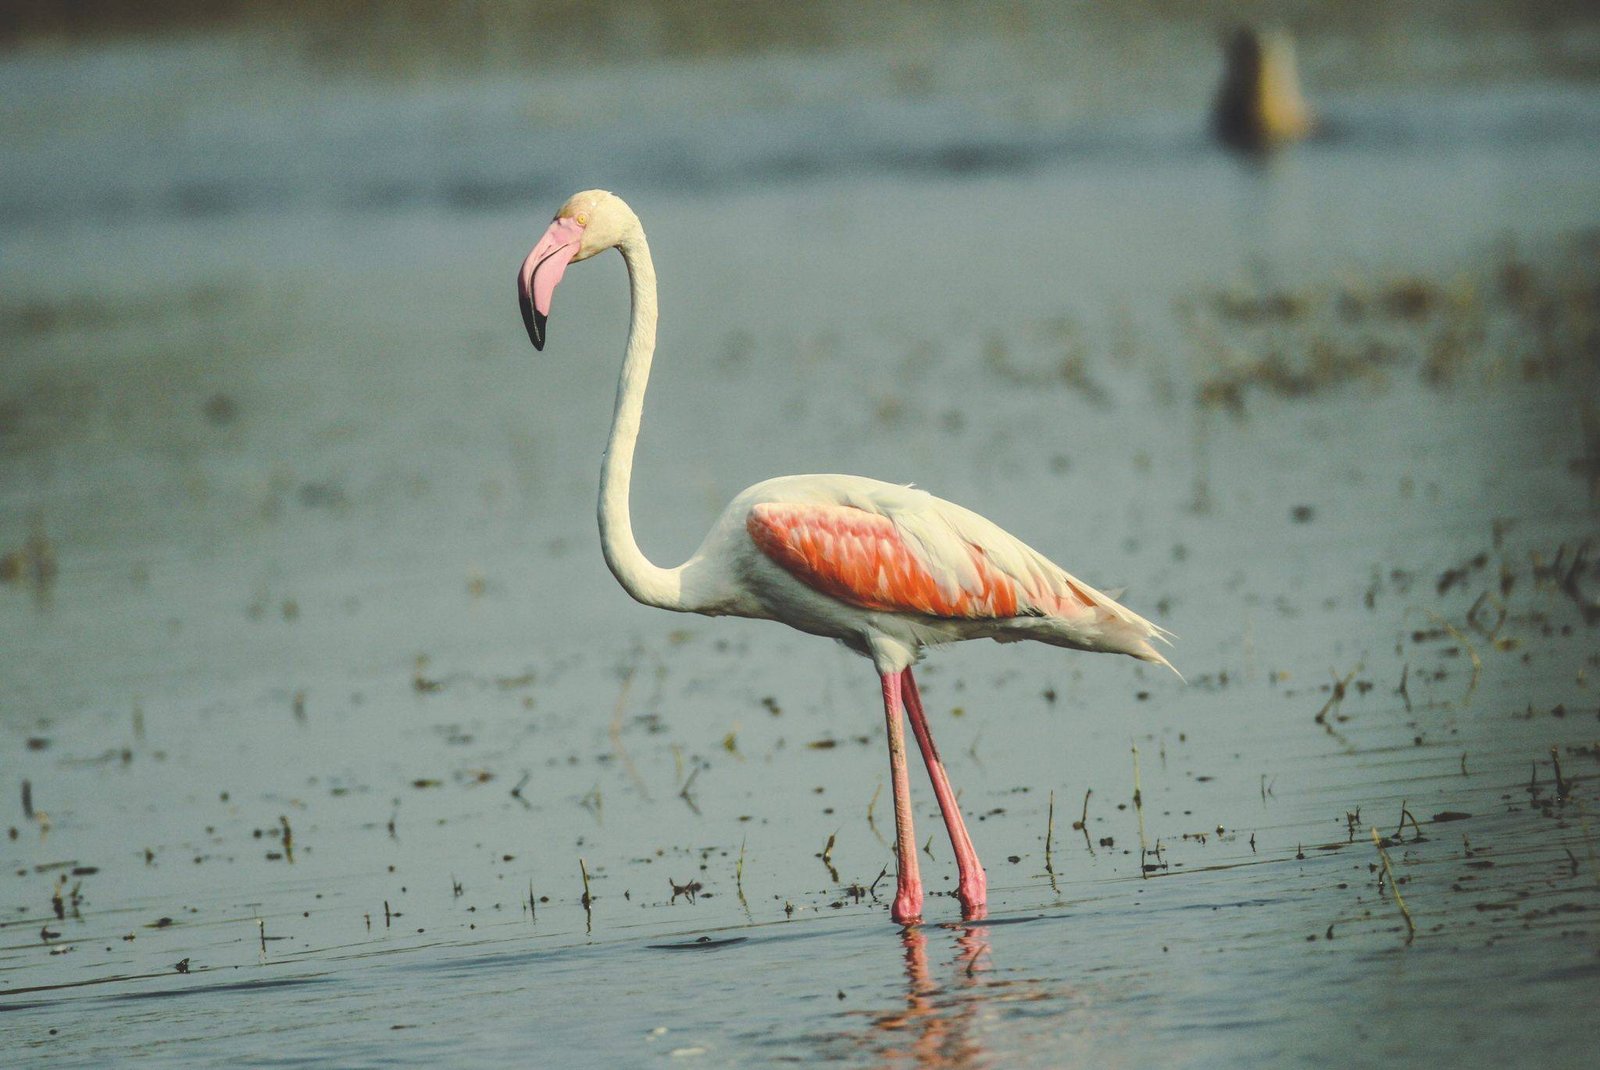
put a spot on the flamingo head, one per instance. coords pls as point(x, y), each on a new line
point(589, 223)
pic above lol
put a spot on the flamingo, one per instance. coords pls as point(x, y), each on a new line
point(887, 570)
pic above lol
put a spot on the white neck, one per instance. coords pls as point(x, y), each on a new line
point(646, 582)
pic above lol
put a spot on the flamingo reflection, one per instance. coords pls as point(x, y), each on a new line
point(934, 1028)
point(948, 1005)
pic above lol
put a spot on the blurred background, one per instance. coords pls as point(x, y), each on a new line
point(254, 254)
point(1284, 315)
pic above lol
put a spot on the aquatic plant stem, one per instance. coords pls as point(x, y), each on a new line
point(1394, 889)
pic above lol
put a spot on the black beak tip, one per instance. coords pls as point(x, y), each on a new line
point(534, 320)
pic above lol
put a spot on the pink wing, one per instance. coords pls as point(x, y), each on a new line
point(865, 559)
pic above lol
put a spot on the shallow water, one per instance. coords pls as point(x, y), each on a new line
point(318, 686)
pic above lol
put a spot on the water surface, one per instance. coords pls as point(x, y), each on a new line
point(319, 687)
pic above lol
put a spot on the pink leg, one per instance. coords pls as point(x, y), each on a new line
point(908, 881)
point(973, 887)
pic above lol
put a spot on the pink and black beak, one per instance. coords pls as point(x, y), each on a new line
point(542, 270)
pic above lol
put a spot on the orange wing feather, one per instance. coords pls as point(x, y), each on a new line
point(861, 558)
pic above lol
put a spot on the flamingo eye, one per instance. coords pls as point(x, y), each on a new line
point(583, 219)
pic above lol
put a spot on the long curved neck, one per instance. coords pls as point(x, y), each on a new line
point(646, 582)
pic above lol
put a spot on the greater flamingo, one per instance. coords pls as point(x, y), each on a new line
point(886, 570)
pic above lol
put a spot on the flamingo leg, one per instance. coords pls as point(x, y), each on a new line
point(908, 881)
point(973, 887)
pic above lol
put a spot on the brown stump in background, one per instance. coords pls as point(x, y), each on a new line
point(1259, 105)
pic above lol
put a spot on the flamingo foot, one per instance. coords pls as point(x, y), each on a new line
point(973, 891)
point(907, 907)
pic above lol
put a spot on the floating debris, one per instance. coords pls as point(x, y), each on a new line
point(220, 410)
point(34, 563)
point(701, 943)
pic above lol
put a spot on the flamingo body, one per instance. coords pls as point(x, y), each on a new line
point(888, 570)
